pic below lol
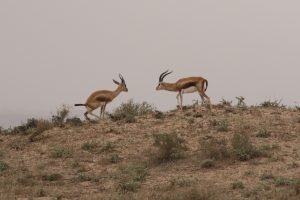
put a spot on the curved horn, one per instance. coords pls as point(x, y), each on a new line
point(161, 76)
point(122, 79)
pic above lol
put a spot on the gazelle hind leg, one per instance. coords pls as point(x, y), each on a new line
point(90, 111)
point(181, 99)
point(103, 111)
point(202, 94)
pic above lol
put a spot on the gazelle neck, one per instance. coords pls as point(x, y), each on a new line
point(116, 92)
point(170, 87)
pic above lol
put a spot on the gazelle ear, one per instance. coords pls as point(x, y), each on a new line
point(116, 82)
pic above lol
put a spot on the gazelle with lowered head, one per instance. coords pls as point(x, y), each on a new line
point(101, 98)
point(184, 85)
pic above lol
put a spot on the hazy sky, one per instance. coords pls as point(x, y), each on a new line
point(55, 52)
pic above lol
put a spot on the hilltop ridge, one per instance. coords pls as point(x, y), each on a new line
point(226, 152)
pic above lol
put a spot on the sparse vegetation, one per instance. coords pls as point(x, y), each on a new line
point(3, 166)
point(61, 115)
point(283, 181)
point(272, 104)
point(238, 185)
point(215, 149)
point(241, 103)
point(225, 102)
point(132, 177)
point(61, 152)
point(263, 134)
point(170, 146)
point(164, 156)
point(51, 177)
point(267, 175)
point(243, 149)
point(208, 163)
point(89, 146)
point(182, 182)
point(41, 126)
point(74, 121)
point(128, 111)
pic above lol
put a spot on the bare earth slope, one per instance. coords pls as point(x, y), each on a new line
point(118, 160)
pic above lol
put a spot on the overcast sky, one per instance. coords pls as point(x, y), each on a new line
point(55, 52)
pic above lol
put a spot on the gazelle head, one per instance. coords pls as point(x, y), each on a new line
point(161, 84)
point(122, 86)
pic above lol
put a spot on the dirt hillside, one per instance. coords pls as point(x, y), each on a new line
point(225, 152)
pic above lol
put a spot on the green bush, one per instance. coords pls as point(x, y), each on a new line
point(89, 146)
point(170, 146)
point(132, 177)
point(74, 121)
point(208, 163)
point(128, 111)
point(215, 149)
point(271, 104)
point(61, 114)
point(3, 166)
point(263, 134)
point(60, 153)
point(41, 126)
point(243, 148)
point(238, 185)
point(51, 177)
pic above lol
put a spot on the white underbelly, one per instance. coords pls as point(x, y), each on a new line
point(189, 90)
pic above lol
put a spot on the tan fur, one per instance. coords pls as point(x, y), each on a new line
point(101, 98)
point(185, 85)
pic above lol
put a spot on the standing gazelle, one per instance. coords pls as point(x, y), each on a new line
point(102, 97)
point(184, 85)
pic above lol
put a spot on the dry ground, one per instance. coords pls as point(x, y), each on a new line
point(117, 160)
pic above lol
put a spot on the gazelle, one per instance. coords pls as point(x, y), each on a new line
point(184, 85)
point(101, 98)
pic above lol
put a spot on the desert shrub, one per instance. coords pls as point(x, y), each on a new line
point(215, 149)
point(89, 146)
point(40, 192)
point(263, 134)
point(115, 158)
point(107, 147)
point(182, 182)
point(129, 186)
point(243, 148)
point(24, 128)
point(41, 126)
point(225, 102)
point(220, 125)
point(241, 102)
point(283, 181)
point(60, 152)
point(267, 175)
point(159, 115)
point(3, 166)
point(189, 194)
point(272, 104)
point(129, 110)
point(208, 163)
point(51, 177)
point(238, 185)
point(223, 125)
point(74, 121)
point(132, 177)
point(62, 113)
point(170, 146)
